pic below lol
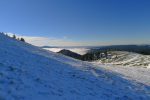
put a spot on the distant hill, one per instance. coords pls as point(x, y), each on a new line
point(125, 58)
point(70, 54)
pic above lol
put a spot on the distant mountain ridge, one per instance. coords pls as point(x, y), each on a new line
point(141, 49)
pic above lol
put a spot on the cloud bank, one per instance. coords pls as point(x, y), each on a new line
point(51, 41)
point(64, 41)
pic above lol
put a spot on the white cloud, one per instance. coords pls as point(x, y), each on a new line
point(65, 41)
point(50, 41)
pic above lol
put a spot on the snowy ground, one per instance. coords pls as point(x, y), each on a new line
point(130, 65)
point(127, 59)
point(139, 74)
point(31, 73)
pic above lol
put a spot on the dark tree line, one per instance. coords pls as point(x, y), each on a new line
point(20, 39)
point(92, 56)
point(14, 37)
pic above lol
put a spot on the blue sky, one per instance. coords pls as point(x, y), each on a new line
point(77, 22)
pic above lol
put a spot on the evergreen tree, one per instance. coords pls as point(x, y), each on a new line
point(22, 39)
point(14, 36)
point(18, 38)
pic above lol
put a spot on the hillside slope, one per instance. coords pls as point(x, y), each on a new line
point(30, 73)
point(128, 59)
point(70, 54)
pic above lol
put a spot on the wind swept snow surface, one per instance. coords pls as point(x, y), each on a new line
point(30, 73)
point(127, 59)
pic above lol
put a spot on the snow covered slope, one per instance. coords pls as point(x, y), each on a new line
point(128, 59)
point(30, 73)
